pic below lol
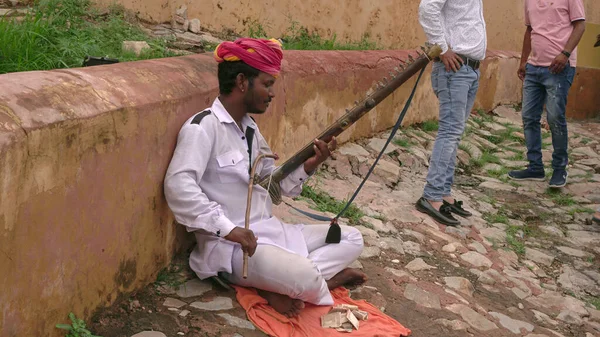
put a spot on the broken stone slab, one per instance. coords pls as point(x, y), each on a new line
point(538, 256)
point(217, 304)
point(422, 297)
point(150, 334)
point(543, 318)
point(173, 303)
point(354, 150)
point(472, 317)
point(578, 282)
point(554, 302)
point(412, 248)
point(194, 26)
point(493, 234)
point(391, 243)
point(376, 145)
point(497, 186)
point(367, 232)
point(570, 317)
point(460, 284)
point(237, 322)
point(478, 247)
point(511, 324)
point(454, 324)
point(136, 47)
point(369, 252)
point(585, 152)
point(476, 259)
point(451, 247)
point(418, 264)
point(572, 251)
point(193, 288)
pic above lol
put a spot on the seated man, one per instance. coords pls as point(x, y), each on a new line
point(206, 187)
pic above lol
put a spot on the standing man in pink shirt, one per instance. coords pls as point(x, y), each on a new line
point(548, 60)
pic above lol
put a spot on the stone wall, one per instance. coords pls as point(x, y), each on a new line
point(84, 151)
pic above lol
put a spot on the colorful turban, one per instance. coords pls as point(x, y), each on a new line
point(264, 55)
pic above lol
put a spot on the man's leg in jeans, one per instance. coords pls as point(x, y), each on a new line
point(447, 195)
point(534, 95)
point(557, 87)
point(452, 90)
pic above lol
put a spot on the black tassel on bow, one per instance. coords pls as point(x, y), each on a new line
point(334, 235)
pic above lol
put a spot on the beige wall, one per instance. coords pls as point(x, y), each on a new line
point(393, 23)
point(83, 153)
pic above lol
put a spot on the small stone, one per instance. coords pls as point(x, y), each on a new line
point(411, 248)
point(478, 247)
point(418, 264)
point(513, 325)
point(493, 234)
point(521, 306)
point(539, 257)
point(476, 259)
point(367, 232)
point(184, 313)
point(396, 261)
point(186, 25)
point(237, 322)
point(460, 284)
point(194, 288)
point(219, 303)
point(173, 303)
point(195, 26)
point(398, 273)
point(451, 247)
point(150, 334)
point(136, 47)
point(181, 334)
point(422, 297)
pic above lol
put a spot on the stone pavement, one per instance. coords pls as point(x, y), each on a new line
point(525, 264)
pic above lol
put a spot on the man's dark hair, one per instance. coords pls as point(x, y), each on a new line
point(228, 72)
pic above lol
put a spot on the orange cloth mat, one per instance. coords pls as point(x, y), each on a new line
point(308, 324)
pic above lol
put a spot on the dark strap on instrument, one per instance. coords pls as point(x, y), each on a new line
point(249, 139)
point(334, 234)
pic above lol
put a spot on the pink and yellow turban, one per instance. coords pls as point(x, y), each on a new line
point(264, 55)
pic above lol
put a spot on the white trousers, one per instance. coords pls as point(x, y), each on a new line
point(277, 270)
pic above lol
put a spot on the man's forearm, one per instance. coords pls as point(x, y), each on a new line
point(526, 45)
point(578, 30)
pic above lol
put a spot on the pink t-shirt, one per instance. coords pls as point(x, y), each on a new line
point(551, 23)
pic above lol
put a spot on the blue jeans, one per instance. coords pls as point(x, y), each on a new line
point(543, 88)
point(456, 93)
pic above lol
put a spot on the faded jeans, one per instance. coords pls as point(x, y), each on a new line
point(456, 93)
point(543, 88)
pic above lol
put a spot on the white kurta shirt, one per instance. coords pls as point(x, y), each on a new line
point(206, 187)
point(455, 24)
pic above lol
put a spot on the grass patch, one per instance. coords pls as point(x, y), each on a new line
point(498, 174)
point(486, 157)
point(559, 198)
point(581, 210)
point(326, 203)
point(403, 142)
point(519, 156)
point(595, 301)
point(60, 33)
point(298, 37)
point(515, 244)
point(518, 106)
point(546, 135)
point(585, 141)
point(499, 217)
point(77, 328)
point(429, 126)
point(169, 276)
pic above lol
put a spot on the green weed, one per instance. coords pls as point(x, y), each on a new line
point(326, 203)
point(77, 328)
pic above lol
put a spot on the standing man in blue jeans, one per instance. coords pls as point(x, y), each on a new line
point(459, 28)
point(548, 60)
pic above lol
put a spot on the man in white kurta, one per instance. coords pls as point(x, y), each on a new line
point(206, 187)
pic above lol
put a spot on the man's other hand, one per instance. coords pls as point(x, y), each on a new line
point(559, 63)
point(451, 60)
point(244, 237)
point(521, 71)
point(323, 150)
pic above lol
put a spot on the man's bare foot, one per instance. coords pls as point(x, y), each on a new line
point(282, 304)
point(348, 276)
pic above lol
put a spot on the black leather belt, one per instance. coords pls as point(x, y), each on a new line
point(470, 62)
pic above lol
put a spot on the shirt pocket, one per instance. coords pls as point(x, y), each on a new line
point(231, 167)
